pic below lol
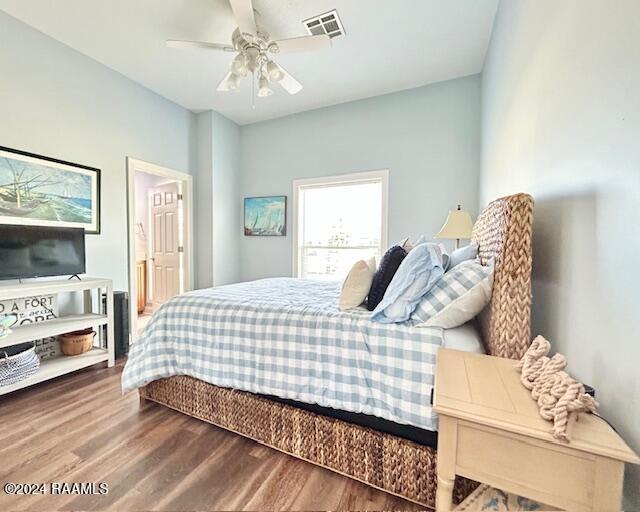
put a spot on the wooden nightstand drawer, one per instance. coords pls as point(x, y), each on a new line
point(515, 462)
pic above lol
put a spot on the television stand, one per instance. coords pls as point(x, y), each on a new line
point(94, 316)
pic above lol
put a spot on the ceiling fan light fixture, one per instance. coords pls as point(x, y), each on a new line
point(253, 59)
point(263, 87)
point(233, 82)
point(253, 45)
point(274, 72)
point(239, 65)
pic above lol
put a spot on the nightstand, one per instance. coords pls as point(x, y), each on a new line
point(490, 431)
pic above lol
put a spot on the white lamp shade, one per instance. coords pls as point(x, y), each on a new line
point(263, 88)
point(274, 72)
point(239, 65)
point(233, 82)
point(457, 226)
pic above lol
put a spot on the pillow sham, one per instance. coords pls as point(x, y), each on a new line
point(417, 273)
point(357, 283)
point(421, 240)
point(383, 276)
point(458, 296)
point(468, 252)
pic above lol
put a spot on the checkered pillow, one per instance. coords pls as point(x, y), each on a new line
point(458, 296)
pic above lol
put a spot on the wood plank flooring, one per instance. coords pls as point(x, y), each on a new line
point(80, 429)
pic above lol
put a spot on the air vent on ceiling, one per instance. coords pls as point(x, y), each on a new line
point(328, 23)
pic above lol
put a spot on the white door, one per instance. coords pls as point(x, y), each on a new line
point(165, 242)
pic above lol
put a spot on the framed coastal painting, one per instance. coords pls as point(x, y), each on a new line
point(41, 191)
point(265, 216)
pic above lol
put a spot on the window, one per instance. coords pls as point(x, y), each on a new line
point(337, 221)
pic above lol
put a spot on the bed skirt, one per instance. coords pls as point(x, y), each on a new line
point(392, 464)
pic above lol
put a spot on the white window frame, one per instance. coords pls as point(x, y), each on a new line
point(381, 176)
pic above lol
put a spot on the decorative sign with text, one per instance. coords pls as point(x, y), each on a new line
point(31, 310)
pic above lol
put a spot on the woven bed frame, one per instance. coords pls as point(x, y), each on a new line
point(393, 464)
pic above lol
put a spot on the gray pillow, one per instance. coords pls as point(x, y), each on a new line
point(468, 252)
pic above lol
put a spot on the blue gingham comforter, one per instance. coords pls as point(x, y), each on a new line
point(287, 337)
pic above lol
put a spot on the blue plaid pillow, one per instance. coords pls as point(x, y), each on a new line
point(467, 285)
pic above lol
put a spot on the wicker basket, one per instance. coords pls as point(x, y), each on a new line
point(17, 363)
point(77, 342)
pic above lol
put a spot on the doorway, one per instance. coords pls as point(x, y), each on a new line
point(160, 213)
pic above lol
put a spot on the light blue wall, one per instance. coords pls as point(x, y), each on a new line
point(203, 208)
point(428, 138)
point(57, 102)
point(561, 120)
point(226, 199)
point(217, 225)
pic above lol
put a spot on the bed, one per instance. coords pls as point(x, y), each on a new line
point(373, 420)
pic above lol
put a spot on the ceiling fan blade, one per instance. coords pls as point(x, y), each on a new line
point(302, 44)
point(288, 83)
point(243, 13)
point(174, 43)
point(224, 84)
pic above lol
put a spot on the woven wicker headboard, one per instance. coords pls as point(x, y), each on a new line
point(503, 231)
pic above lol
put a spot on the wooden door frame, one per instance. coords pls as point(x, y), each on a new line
point(134, 165)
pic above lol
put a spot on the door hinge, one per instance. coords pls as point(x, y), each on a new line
point(180, 197)
point(180, 249)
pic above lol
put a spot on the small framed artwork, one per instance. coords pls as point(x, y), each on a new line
point(265, 216)
point(40, 191)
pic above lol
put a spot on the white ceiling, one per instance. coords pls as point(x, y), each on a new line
point(389, 45)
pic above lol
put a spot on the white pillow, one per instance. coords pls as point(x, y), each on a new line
point(468, 252)
point(458, 296)
point(357, 284)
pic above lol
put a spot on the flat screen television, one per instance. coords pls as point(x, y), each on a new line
point(36, 251)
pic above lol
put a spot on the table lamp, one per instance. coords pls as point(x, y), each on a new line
point(458, 225)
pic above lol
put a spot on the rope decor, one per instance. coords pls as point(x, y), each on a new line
point(557, 394)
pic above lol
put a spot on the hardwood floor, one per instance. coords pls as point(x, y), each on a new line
point(80, 429)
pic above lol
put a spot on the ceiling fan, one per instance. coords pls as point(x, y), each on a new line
point(253, 46)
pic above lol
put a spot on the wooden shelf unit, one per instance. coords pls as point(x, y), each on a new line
point(53, 327)
point(56, 366)
point(103, 349)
